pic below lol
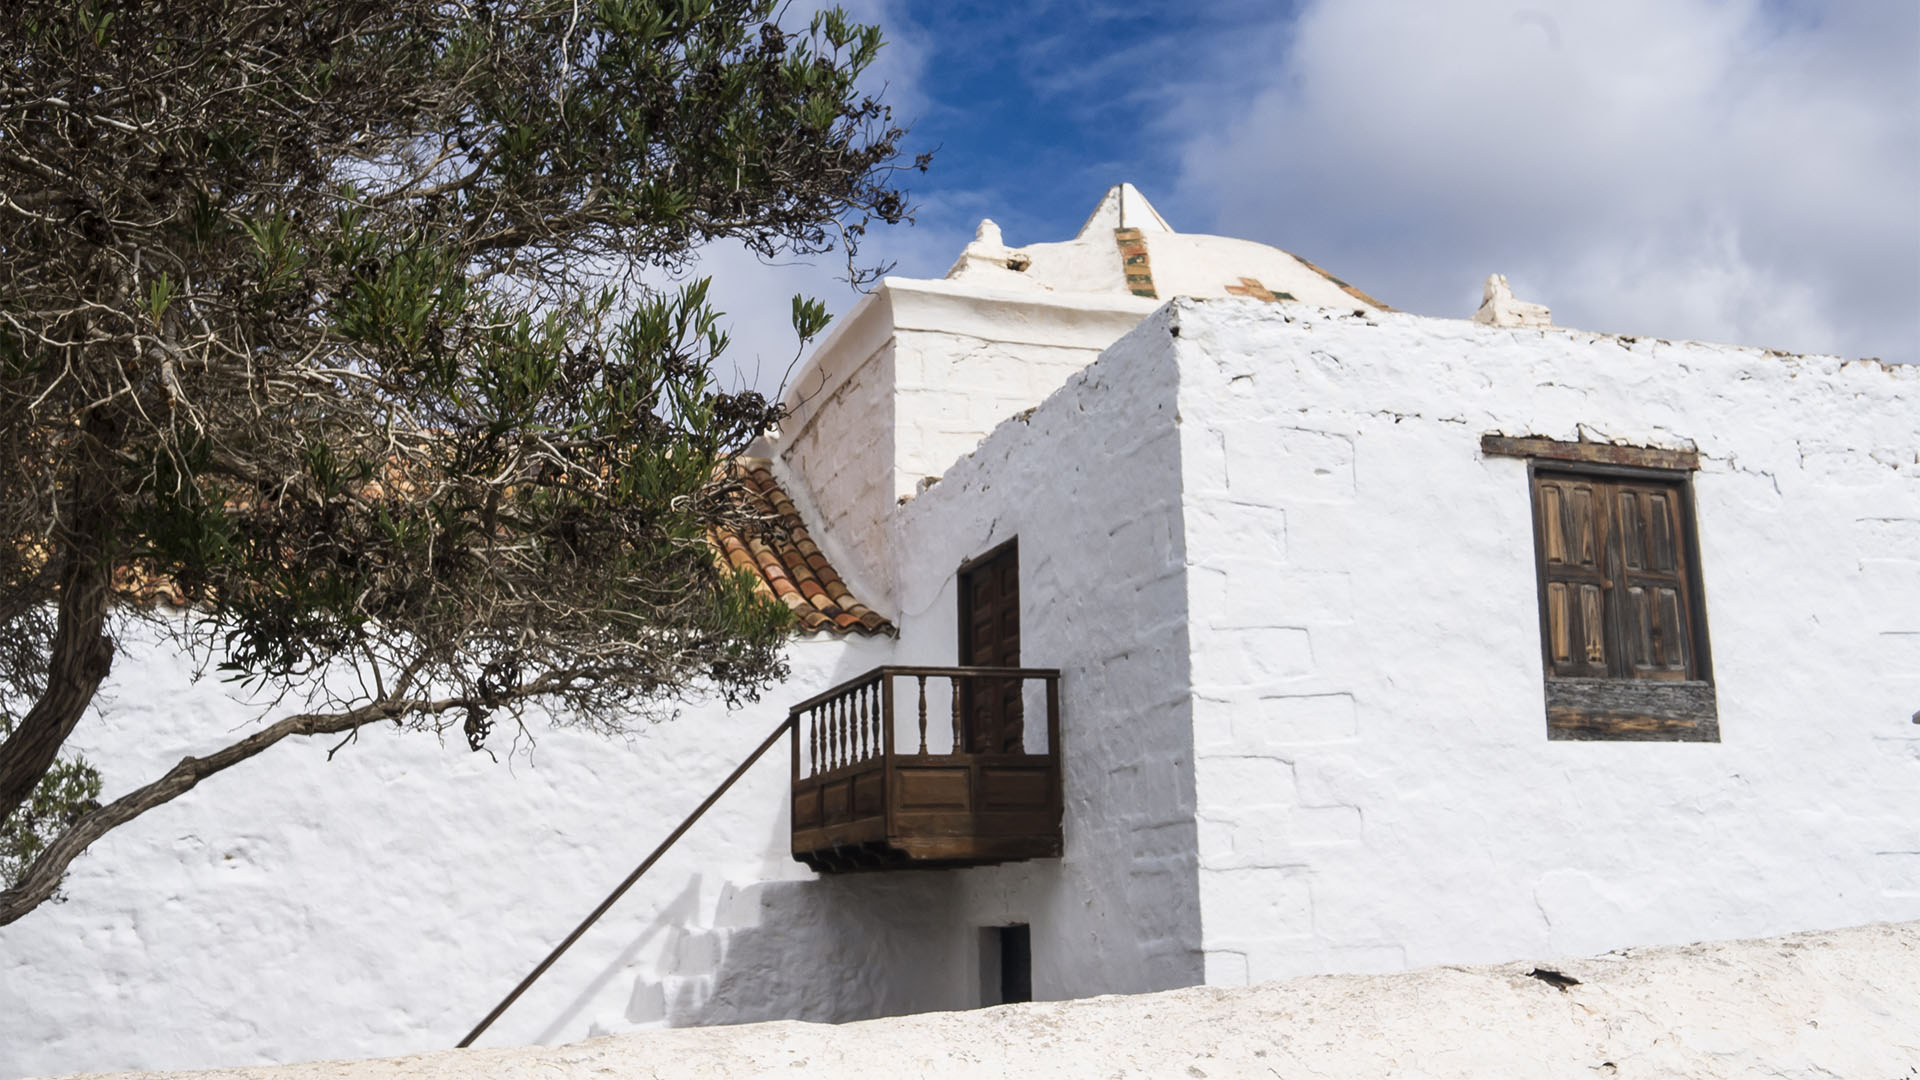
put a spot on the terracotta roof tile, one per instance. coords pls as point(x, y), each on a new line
point(787, 564)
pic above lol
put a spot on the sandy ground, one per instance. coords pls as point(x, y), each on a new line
point(1843, 1003)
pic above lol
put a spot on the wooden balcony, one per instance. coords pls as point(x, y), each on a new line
point(871, 792)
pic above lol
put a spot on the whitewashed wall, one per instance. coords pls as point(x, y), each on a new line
point(1296, 616)
point(1089, 484)
point(1375, 785)
point(295, 908)
point(838, 440)
point(912, 379)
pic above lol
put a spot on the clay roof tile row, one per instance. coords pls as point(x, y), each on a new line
point(788, 565)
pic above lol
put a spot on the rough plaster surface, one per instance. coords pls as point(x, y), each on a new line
point(382, 902)
point(914, 378)
point(1296, 617)
point(1088, 483)
point(1836, 1004)
point(1375, 785)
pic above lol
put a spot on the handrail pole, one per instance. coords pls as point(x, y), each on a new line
point(617, 893)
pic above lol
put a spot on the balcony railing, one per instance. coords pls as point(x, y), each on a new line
point(956, 777)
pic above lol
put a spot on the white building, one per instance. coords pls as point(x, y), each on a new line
point(1382, 641)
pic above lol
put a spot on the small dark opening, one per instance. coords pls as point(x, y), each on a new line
point(1016, 964)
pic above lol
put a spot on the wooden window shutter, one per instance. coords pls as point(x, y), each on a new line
point(1656, 627)
point(1615, 587)
point(1573, 549)
point(1623, 622)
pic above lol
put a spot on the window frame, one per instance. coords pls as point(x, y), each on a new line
point(1625, 708)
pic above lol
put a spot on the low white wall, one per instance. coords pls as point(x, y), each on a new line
point(1808, 1007)
point(381, 903)
point(1089, 484)
point(1376, 788)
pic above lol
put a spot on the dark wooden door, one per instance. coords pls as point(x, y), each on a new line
point(990, 637)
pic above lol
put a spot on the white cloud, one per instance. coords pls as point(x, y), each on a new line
point(756, 296)
point(1721, 169)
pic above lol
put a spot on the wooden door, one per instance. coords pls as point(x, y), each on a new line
point(990, 637)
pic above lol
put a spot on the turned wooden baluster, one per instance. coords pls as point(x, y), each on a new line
point(866, 721)
point(958, 746)
point(859, 723)
point(923, 714)
point(813, 741)
point(839, 731)
point(872, 696)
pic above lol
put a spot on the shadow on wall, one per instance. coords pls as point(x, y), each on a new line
point(680, 912)
point(824, 949)
point(833, 949)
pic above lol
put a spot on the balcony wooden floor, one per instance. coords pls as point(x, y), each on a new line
point(870, 806)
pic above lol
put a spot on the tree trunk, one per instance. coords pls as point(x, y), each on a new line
point(80, 653)
point(79, 660)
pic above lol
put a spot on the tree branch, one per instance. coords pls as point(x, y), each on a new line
point(43, 877)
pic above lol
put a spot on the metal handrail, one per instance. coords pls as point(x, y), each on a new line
point(621, 890)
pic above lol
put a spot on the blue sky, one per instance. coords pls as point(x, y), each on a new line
point(1744, 171)
point(1036, 109)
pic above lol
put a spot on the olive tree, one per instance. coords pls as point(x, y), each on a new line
point(330, 324)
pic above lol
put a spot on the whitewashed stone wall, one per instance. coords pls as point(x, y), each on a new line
point(1303, 722)
point(1375, 785)
point(1843, 1003)
point(952, 390)
point(912, 379)
point(1089, 484)
point(295, 908)
point(838, 438)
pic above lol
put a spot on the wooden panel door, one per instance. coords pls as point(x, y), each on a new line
point(990, 637)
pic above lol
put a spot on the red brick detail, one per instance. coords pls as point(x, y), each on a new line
point(1134, 263)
